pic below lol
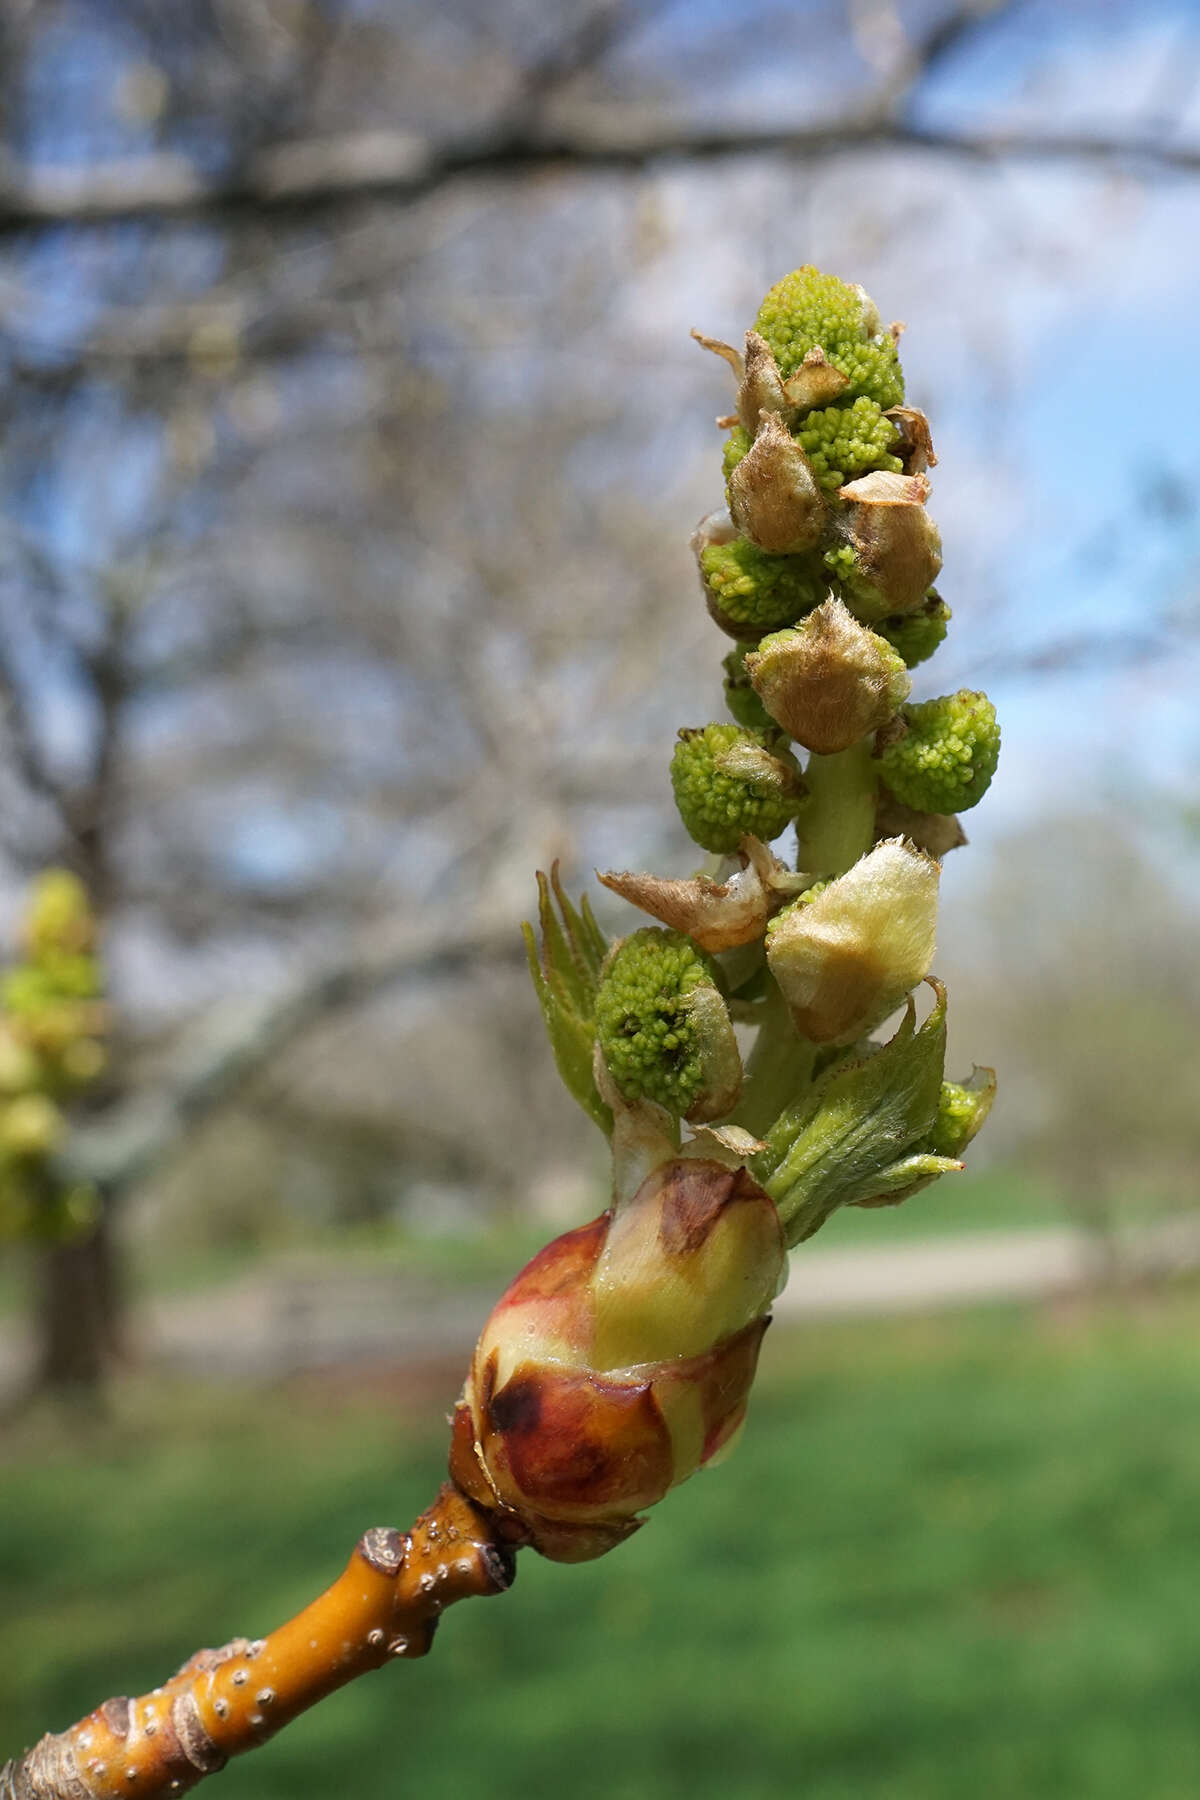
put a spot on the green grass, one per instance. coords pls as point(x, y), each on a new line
point(950, 1556)
point(999, 1199)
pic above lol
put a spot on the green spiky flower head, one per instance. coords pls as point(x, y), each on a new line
point(728, 785)
point(810, 311)
point(947, 756)
point(751, 591)
point(844, 442)
point(663, 1028)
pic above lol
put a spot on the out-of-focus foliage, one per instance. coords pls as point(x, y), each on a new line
point(1091, 977)
point(52, 1025)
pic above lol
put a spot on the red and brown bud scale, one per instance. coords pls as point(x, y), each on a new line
point(620, 1360)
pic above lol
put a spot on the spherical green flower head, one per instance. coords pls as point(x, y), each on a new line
point(807, 309)
point(643, 1025)
point(754, 590)
point(718, 807)
point(740, 696)
point(946, 760)
point(917, 635)
point(843, 442)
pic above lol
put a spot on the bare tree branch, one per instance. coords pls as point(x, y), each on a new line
point(122, 1147)
point(315, 174)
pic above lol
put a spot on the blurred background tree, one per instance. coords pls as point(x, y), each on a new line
point(350, 419)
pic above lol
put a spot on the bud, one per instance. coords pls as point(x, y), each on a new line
point(860, 1136)
point(891, 552)
point(761, 387)
point(816, 382)
point(717, 915)
point(749, 591)
point(848, 441)
point(620, 1360)
point(808, 310)
point(663, 1029)
point(828, 681)
point(774, 495)
point(944, 752)
point(728, 785)
point(846, 959)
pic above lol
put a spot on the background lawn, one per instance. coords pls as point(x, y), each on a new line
point(946, 1553)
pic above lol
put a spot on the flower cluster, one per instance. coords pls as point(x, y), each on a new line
point(620, 1360)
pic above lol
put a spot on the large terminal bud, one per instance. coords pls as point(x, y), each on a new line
point(620, 1360)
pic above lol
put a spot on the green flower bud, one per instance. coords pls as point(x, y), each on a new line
point(917, 635)
point(808, 310)
point(890, 552)
point(843, 442)
point(728, 786)
point(828, 681)
point(847, 958)
point(663, 1028)
point(945, 759)
point(750, 592)
point(760, 389)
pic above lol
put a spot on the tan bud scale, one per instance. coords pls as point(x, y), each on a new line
point(846, 959)
point(898, 551)
point(774, 494)
point(828, 681)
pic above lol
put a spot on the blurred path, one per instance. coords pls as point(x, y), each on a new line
point(291, 1317)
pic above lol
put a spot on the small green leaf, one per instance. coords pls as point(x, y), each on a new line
point(564, 980)
point(852, 1137)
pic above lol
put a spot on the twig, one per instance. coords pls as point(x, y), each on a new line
point(384, 1606)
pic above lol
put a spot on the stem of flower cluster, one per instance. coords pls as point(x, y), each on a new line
point(837, 825)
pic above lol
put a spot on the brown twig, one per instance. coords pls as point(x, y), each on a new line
point(385, 1605)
